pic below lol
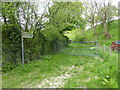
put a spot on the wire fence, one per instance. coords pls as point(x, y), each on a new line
point(105, 49)
point(88, 48)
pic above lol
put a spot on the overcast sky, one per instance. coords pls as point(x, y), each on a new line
point(41, 3)
point(114, 2)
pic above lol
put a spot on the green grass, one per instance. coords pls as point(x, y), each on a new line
point(88, 72)
point(96, 73)
point(76, 35)
point(89, 34)
point(100, 37)
point(80, 49)
point(50, 65)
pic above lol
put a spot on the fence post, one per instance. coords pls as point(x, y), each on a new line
point(104, 48)
point(110, 51)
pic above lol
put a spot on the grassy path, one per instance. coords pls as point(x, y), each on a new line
point(58, 71)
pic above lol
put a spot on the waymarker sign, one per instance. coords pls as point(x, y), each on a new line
point(25, 35)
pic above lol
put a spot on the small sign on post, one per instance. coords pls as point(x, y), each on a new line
point(25, 35)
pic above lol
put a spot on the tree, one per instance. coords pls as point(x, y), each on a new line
point(65, 15)
point(11, 33)
point(24, 17)
point(90, 14)
point(106, 13)
point(17, 17)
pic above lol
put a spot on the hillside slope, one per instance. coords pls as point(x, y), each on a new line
point(77, 35)
point(100, 36)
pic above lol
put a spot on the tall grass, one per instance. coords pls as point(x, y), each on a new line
point(98, 72)
point(108, 69)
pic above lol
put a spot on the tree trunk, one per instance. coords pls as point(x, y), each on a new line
point(105, 29)
point(108, 25)
point(94, 27)
point(104, 24)
point(83, 32)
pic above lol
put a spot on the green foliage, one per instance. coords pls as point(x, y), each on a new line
point(110, 11)
point(11, 35)
point(66, 15)
point(48, 40)
point(76, 35)
point(100, 37)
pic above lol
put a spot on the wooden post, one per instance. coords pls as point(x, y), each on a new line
point(110, 51)
point(104, 48)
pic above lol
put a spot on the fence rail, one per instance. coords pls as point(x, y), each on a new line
point(82, 49)
point(86, 42)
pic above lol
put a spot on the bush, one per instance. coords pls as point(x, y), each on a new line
point(34, 48)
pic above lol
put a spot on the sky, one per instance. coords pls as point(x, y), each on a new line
point(114, 2)
point(42, 6)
